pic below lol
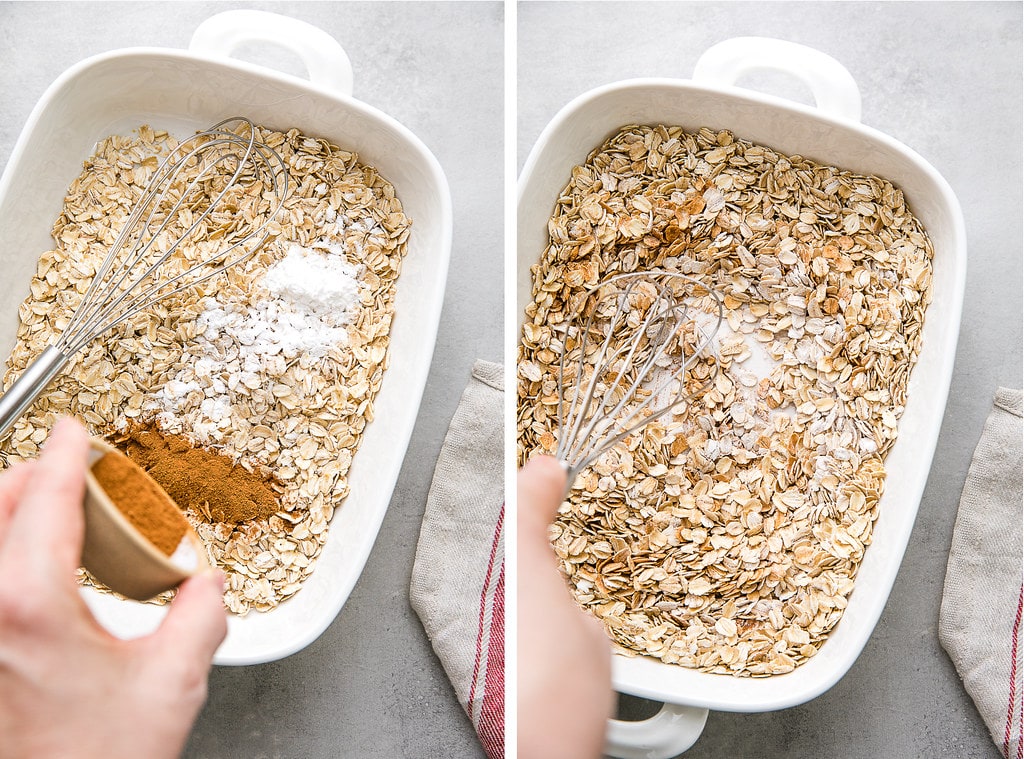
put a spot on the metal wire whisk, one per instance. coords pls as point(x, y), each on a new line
point(193, 197)
point(633, 361)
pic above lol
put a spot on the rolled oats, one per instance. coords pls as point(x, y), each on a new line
point(727, 537)
point(301, 418)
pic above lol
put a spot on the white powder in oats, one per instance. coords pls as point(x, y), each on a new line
point(301, 308)
point(323, 287)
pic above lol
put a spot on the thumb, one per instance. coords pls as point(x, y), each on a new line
point(540, 490)
point(45, 530)
point(196, 624)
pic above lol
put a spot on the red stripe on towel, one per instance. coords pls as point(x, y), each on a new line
point(1011, 709)
point(489, 720)
point(492, 713)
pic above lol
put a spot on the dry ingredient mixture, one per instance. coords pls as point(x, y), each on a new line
point(142, 502)
point(273, 365)
point(727, 537)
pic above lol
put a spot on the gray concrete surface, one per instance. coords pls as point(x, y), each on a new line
point(945, 79)
point(371, 686)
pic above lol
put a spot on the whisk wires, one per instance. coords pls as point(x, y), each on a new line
point(651, 335)
point(202, 180)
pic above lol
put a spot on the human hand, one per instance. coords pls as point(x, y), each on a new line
point(67, 687)
point(564, 672)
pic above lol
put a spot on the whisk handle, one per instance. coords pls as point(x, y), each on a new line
point(32, 382)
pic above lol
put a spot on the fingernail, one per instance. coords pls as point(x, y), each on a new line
point(64, 421)
point(68, 422)
point(216, 577)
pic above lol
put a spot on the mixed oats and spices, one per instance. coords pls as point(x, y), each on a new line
point(726, 536)
point(260, 365)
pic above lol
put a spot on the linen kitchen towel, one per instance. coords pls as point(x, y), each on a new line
point(980, 617)
point(458, 578)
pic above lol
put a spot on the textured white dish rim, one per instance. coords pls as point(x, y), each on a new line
point(431, 241)
point(648, 677)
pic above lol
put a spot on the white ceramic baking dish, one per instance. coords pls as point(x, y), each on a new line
point(830, 133)
point(183, 91)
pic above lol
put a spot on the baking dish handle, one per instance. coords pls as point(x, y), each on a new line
point(834, 89)
point(668, 733)
point(326, 61)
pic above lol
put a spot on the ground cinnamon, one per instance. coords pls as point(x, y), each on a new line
point(147, 507)
point(208, 483)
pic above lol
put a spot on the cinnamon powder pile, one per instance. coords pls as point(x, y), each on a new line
point(141, 501)
point(203, 481)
